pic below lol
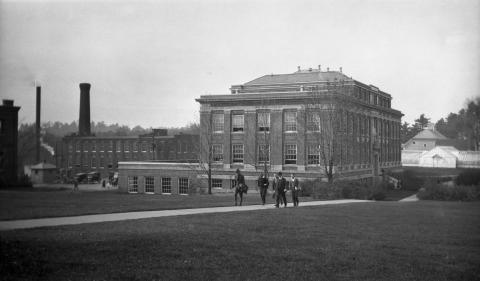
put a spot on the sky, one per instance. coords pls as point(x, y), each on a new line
point(147, 61)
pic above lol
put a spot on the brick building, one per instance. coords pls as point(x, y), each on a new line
point(8, 142)
point(278, 120)
point(102, 154)
point(85, 152)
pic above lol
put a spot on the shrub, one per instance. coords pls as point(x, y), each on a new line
point(437, 191)
point(468, 177)
point(307, 187)
point(345, 190)
point(410, 180)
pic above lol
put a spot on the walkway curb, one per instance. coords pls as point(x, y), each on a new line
point(43, 222)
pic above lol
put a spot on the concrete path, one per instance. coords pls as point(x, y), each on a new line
point(412, 198)
point(32, 223)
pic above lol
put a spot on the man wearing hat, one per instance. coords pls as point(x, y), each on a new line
point(281, 188)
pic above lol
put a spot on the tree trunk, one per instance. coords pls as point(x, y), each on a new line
point(209, 180)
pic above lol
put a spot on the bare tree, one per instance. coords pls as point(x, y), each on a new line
point(263, 124)
point(325, 122)
point(206, 150)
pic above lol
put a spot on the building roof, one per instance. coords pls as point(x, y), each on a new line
point(299, 77)
point(429, 134)
point(443, 151)
point(43, 166)
point(458, 144)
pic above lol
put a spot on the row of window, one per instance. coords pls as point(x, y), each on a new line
point(127, 146)
point(263, 155)
point(263, 122)
point(349, 153)
point(149, 185)
point(372, 98)
point(316, 120)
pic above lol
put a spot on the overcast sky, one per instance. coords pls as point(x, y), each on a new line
point(148, 61)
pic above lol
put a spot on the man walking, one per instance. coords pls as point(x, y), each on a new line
point(263, 185)
point(240, 188)
point(294, 189)
point(280, 189)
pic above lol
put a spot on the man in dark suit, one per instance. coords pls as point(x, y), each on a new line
point(295, 189)
point(281, 188)
point(263, 185)
point(240, 188)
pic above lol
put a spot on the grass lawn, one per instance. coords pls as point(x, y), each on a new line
point(32, 203)
point(424, 240)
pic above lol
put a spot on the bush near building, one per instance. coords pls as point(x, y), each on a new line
point(344, 190)
point(409, 179)
point(434, 190)
point(468, 177)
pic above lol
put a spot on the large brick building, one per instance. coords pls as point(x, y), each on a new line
point(8, 142)
point(279, 122)
point(102, 154)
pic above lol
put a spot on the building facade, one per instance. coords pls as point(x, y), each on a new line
point(293, 123)
point(81, 154)
point(8, 142)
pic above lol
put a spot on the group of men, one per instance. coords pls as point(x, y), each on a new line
point(280, 186)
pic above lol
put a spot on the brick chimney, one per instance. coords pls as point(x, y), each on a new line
point(84, 119)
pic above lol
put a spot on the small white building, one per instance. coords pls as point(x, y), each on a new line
point(439, 157)
point(43, 173)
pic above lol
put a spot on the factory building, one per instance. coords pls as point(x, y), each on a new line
point(84, 152)
point(294, 123)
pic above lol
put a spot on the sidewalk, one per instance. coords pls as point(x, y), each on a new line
point(32, 223)
point(412, 198)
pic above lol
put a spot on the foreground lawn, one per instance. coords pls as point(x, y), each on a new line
point(361, 241)
point(23, 204)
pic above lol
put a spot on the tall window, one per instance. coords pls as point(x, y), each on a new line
point(183, 185)
point(126, 146)
point(237, 152)
point(119, 146)
point(100, 146)
point(110, 146)
point(290, 121)
point(263, 121)
point(85, 146)
point(149, 185)
point(144, 146)
point(313, 154)
point(94, 161)
point(263, 153)
point(313, 121)
point(237, 123)
point(217, 122)
point(217, 151)
point(78, 146)
point(290, 154)
point(135, 146)
point(167, 185)
point(70, 147)
point(216, 183)
point(94, 146)
point(102, 162)
point(133, 184)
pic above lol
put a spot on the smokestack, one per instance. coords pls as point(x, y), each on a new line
point(37, 125)
point(84, 120)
